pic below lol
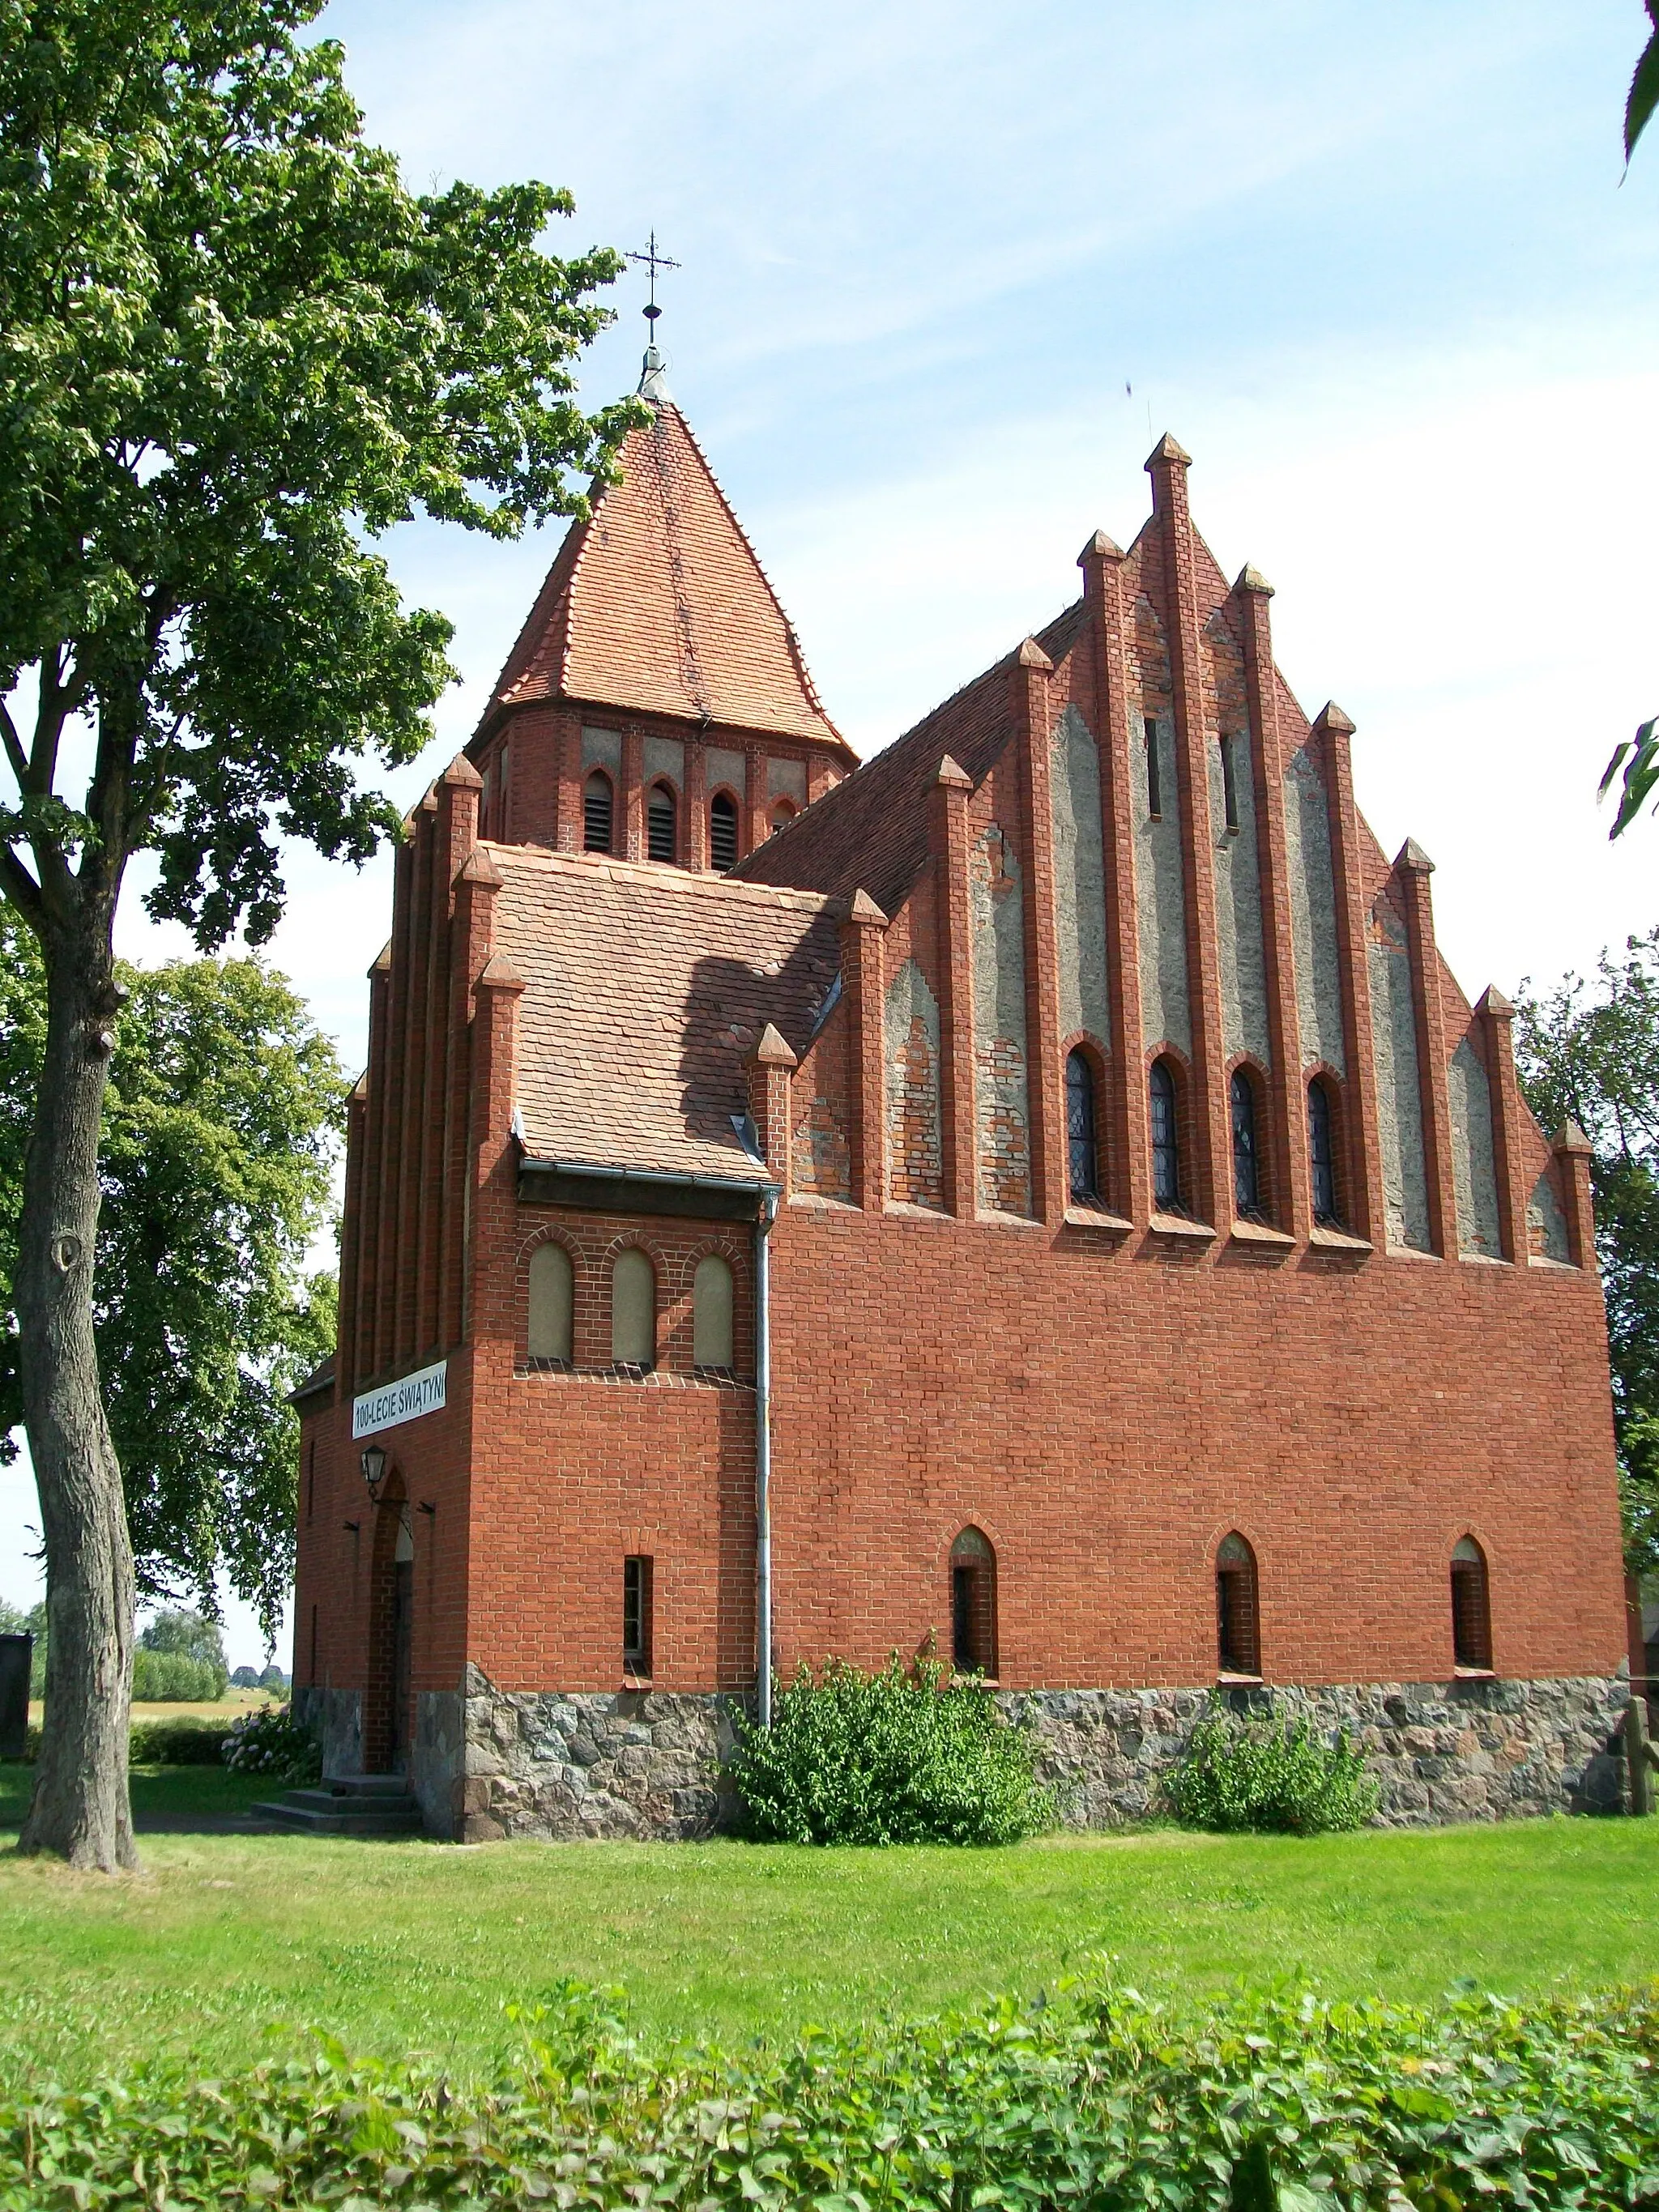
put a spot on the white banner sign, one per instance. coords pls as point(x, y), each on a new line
point(406, 1399)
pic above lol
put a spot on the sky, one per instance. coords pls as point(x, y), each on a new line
point(947, 274)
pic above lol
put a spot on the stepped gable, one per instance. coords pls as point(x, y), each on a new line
point(658, 603)
point(870, 832)
point(646, 991)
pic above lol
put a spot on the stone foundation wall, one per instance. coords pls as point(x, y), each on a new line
point(637, 1765)
point(1443, 1752)
point(626, 1764)
point(335, 1717)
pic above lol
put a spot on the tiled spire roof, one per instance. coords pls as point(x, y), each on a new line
point(658, 603)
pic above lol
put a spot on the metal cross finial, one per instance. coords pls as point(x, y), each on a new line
point(653, 260)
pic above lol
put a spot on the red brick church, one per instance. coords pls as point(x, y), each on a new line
point(1039, 1195)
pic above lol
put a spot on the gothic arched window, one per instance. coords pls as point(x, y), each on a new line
point(782, 815)
point(1166, 1143)
point(552, 1303)
point(1471, 1606)
point(1247, 1165)
point(1322, 1151)
point(632, 1310)
point(1081, 1158)
point(973, 1604)
point(597, 807)
point(711, 1313)
point(661, 842)
point(723, 831)
point(1238, 1633)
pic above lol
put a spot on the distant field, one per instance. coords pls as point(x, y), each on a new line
point(413, 1945)
point(230, 1707)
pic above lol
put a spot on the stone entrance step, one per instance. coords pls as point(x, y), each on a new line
point(348, 1805)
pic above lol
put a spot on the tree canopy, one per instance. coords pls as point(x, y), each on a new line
point(1588, 1051)
point(220, 1127)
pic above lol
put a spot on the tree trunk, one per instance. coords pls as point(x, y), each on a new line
point(80, 1807)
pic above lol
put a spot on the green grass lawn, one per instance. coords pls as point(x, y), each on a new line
point(404, 1945)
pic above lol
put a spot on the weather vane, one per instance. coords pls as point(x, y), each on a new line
point(653, 260)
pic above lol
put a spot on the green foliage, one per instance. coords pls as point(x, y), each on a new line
point(1643, 94)
point(1289, 2105)
point(173, 1677)
point(220, 1127)
point(904, 1756)
point(1270, 1777)
point(273, 1742)
point(186, 1742)
point(233, 351)
point(1588, 1051)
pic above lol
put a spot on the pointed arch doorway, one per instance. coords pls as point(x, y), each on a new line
point(387, 1722)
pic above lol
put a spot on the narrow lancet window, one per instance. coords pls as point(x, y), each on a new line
point(1238, 1635)
point(1080, 1128)
point(1471, 1606)
point(723, 831)
point(660, 843)
point(1247, 1172)
point(596, 810)
point(1230, 779)
point(1166, 1149)
point(636, 1614)
point(1321, 1153)
point(1154, 779)
point(973, 1604)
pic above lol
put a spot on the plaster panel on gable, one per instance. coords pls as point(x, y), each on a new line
point(725, 765)
point(786, 779)
point(1001, 1111)
point(915, 1145)
point(1079, 879)
point(1399, 1091)
point(1160, 896)
point(1474, 1169)
point(601, 749)
point(1242, 957)
point(1546, 1222)
point(1312, 882)
point(665, 757)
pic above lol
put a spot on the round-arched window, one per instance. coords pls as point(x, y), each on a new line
point(632, 1310)
point(552, 1303)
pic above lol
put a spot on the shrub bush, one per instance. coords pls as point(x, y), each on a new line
point(905, 1756)
point(271, 1741)
point(1291, 2106)
point(1274, 1776)
point(187, 1741)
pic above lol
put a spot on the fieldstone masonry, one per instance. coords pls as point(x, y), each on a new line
point(641, 1766)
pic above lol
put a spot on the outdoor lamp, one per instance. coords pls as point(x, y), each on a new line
point(373, 1468)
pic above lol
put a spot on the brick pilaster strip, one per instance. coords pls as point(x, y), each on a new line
point(1211, 1135)
point(1497, 1016)
point(472, 929)
point(568, 833)
point(1572, 1149)
point(864, 987)
point(631, 797)
point(416, 1058)
point(489, 1309)
point(694, 831)
point(1102, 563)
point(1045, 1063)
point(374, 1186)
point(1362, 1197)
point(948, 834)
point(755, 826)
point(1291, 1179)
point(768, 1068)
point(1413, 868)
point(457, 798)
point(392, 1109)
point(346, 1349)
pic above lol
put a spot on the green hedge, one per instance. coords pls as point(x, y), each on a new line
point(187, 1741)
point(1097, 2101)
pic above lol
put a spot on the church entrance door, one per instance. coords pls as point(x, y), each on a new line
point(403, 1612)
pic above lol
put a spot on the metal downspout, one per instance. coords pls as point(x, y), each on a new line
point(769, 1214)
